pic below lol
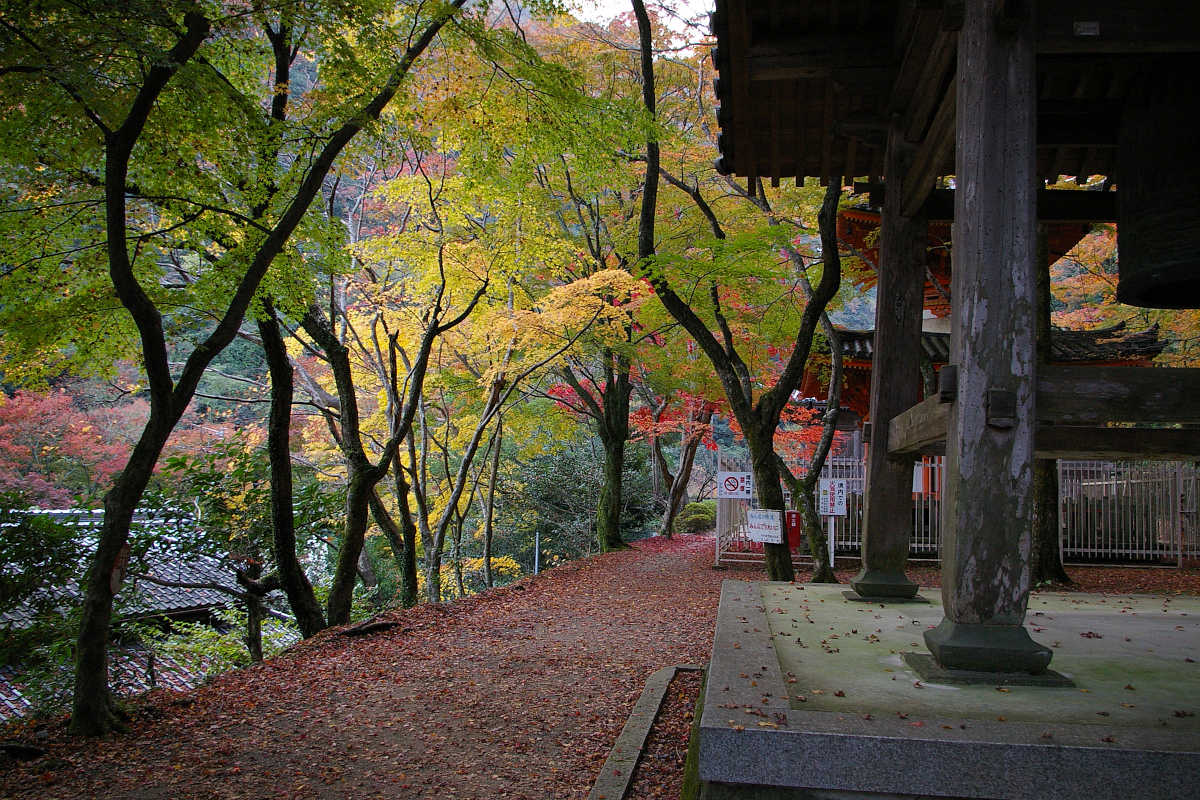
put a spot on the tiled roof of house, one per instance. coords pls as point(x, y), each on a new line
point(142, 597)
point(132, 671)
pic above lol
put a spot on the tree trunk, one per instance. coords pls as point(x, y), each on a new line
point(254, 617)
point(456, 554)
point(770, 495)
point(354, 533)
point(679, 483)
point(433, 574)
point(408, 532)
point(292, 577)
point(608, 511)
point(402, 539)
point(664, 481)
point(488, 578)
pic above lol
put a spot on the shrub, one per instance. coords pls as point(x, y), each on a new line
point(696, 517)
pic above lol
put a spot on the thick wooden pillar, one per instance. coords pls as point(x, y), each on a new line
point(988, 499)
point(895, 384)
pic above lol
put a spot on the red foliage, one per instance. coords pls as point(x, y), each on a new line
point(797, 435)
point(53, 454)
point(686, 415)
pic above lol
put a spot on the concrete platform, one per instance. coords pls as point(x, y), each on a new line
point(808, 696)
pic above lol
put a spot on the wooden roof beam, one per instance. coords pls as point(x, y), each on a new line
point(932, 153)
point(1117, 26)
point(1054, 205)
point(864, 58)
point(1074, 407)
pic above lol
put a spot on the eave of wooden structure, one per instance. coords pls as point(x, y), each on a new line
point(858, 230)
point(808, 89)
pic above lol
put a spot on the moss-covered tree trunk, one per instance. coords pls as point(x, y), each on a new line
point(94, 711)
point(401, 536)
point(614, 433)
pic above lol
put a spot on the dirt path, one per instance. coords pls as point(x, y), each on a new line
point(518, 693)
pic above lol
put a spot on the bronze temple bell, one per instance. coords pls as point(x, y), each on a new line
point(1158, 190)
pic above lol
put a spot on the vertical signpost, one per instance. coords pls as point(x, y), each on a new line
point(832, 503)
point(730, 486)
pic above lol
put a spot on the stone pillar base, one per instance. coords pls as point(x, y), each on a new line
point(880, 583)
point(987, 648)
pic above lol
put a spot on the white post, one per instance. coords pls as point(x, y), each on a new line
point(832, 540)
point(721, 523)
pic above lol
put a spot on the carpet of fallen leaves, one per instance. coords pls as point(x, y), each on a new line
point(518, 693)
point(1099, 579)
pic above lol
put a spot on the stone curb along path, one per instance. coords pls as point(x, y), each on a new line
point(617, 772)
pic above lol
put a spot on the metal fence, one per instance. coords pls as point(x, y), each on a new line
point(1120, 512)
point(1136, 511)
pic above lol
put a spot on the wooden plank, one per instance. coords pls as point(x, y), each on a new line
point(1074, 395)
point(1178, 444)
point(739, 40)
point(1074, 406)
point(1054, 205)
point(937, 72)
point(923, 27)
point(921, 430)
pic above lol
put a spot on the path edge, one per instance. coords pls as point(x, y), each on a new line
point(617, 773)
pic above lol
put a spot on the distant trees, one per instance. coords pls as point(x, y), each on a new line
point(1084, 290)
point(52, 453)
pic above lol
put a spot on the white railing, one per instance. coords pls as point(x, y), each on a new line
point(1130, 512)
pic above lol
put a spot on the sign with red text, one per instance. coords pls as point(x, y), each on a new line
point(831, 500)
point(764, 526)
point(734, 485)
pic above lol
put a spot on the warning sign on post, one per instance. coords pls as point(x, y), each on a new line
point(764, 526)
point(831, 501)
point(734, 485)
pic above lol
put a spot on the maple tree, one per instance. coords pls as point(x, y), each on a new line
point(757, 411)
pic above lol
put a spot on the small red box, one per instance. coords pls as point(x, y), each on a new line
point(791, 521)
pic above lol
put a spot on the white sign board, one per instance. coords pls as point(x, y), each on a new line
point(734, 485)
point(832, 499)
point(764, 526)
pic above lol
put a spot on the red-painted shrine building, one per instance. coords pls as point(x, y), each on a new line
point(858, 230)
